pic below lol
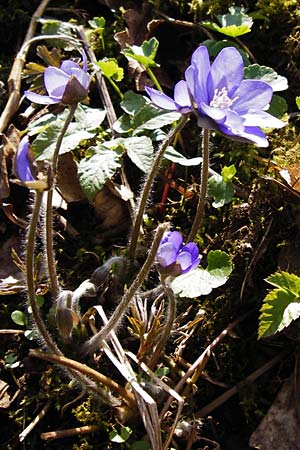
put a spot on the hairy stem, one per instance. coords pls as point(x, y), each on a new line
point(49, 225)
point(95, 342)
point(30, 273)
point(148, 185)
point(203, 187)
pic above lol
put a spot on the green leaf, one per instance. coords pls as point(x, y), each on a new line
point(96, 170)
point(160, 119)
point(120, 437)
point(98, 23)
point(51, 26)
point(173, 155)
point(278, 106)
point(221, 191)
point(234, 24)
point(12, 361)
point(140, 150)
point(144, 54)
point(298, 102)
point(219, 263)
point(87, 120)
point(201, 281)
point(281, 305)
point(267, 74)
point(228, 173)
point(133, 102)
point(110, 69)
point(19, 317)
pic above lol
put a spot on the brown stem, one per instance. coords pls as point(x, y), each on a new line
point(14, 79)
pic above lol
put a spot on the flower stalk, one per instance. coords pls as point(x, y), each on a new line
point(203, 186)
point(148, 185)
point(54, 285)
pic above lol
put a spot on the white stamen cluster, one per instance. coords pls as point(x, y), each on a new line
point(221, 99)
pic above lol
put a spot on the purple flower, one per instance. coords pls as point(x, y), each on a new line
point(22, 163)
point(25, 168)
point(222, 100)
point(173, 257)
point(181, 102)
point(225, 101)
point(68, 84)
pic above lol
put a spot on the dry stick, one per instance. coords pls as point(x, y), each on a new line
point(88, 372)
point(70, 432)
point(119, 312)
point(7, 331)
point(14, 79)
point(107, 103)
point(35, 421)
point(234, 390)
point(148, 185)
point(170, 317)
point(203, 186)
point(201, 361)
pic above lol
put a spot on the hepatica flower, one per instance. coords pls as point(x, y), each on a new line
point(222, 100)
point(181, 102)
point(67, 84)
point(24, 167)
point(173, 258)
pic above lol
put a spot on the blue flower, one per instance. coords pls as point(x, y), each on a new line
point(67, 84)
point(25, 169)
point(22, 163)
point(173, 258)
point(181, 102)
point(221, 99)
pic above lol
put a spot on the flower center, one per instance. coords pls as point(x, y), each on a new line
point(221, 99)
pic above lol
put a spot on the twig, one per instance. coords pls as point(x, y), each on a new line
point(35, 421)
point(14, 79)
point(70, 432)
point(86, 371)
point(234, 390)
point(11, 331)
point(201, 361)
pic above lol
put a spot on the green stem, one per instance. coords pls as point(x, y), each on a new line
point(30, 273)
point(49, 225)
point(154, 79)
point(116, 88)
point(95, 342)
point(203, 187)
point(148, 185)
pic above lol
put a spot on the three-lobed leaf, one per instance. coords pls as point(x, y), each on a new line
point(202, 281)
point(281, 306)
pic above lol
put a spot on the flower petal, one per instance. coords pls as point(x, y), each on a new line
point(67, 66)
point(22, 165)
point(182, 97)
point(201, 63)
point(252, 94)
point(226, 71)
point(262, 119)
point(83, 77)
point(160, 99)
point(252, 135)
point(216, 114)
point(176, 239)
point(40, 99)
point(166, 254)
point(55, 81)
point(192, 248)
point(185, 261)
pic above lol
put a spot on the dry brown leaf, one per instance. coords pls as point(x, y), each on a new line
point(67, 181)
